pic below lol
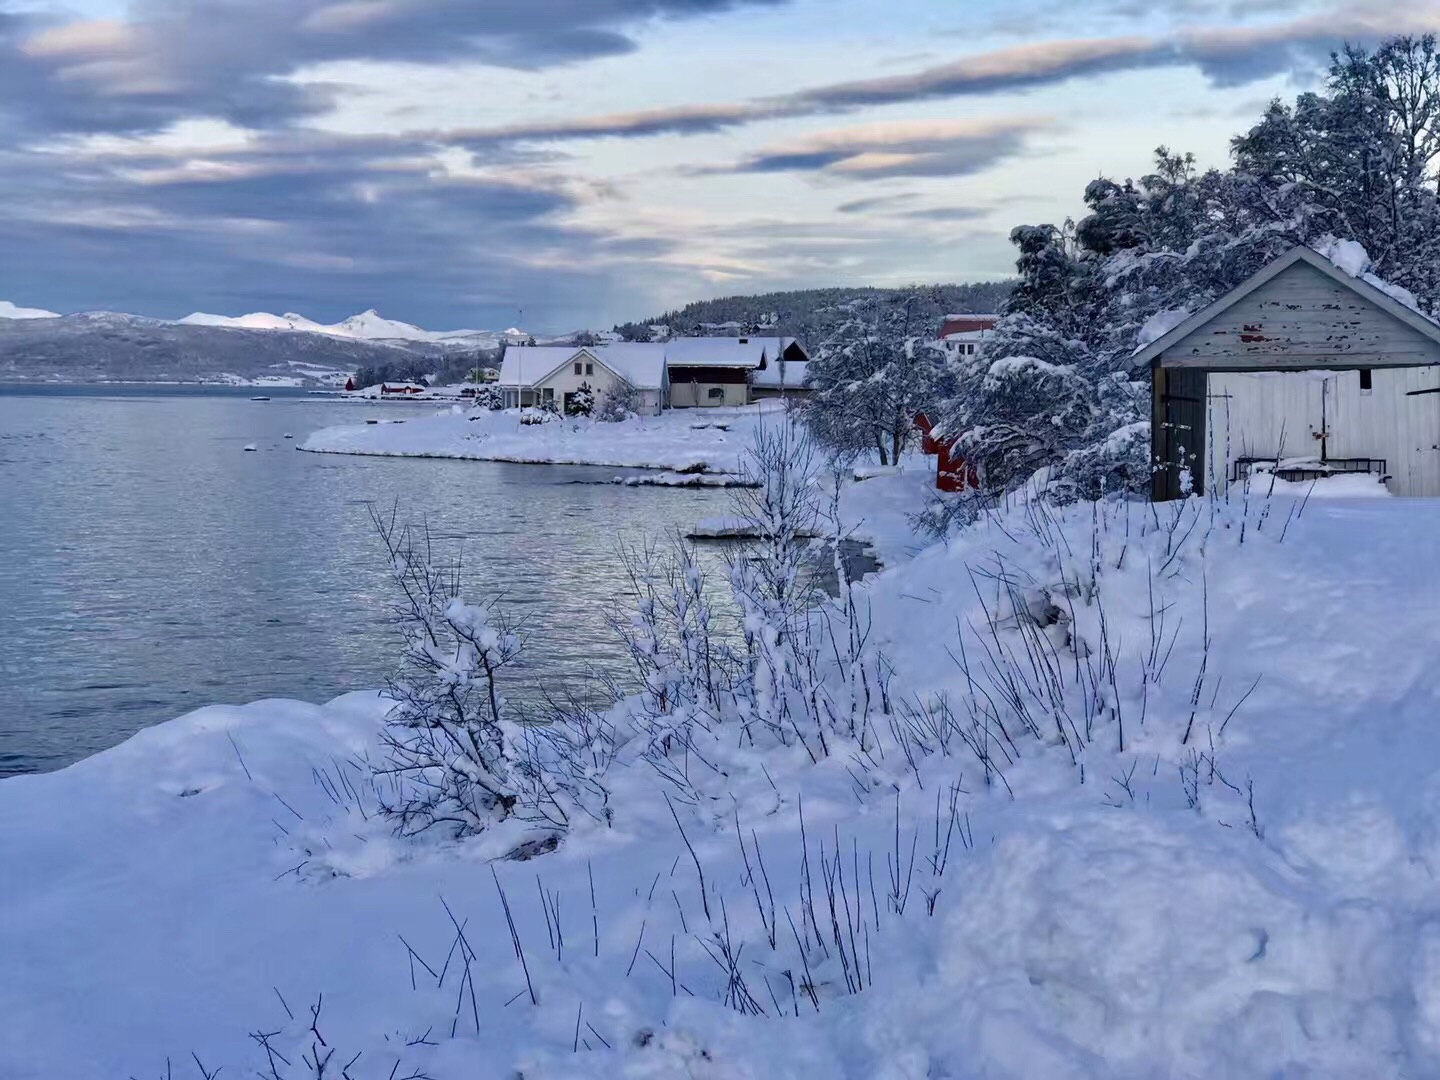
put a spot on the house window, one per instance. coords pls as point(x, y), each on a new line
point(589, 369)
point(577, 367)
point(1365, 386)
point(548, 394)
point(715, 393)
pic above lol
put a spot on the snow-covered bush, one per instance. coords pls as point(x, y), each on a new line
point(803, 675)
point(617, 403)
point(488, 396)
point(456, 757)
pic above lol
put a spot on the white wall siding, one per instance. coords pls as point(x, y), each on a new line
point(689, 395)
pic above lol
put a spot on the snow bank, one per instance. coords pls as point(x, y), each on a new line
point(669, 441)
point(213, 875)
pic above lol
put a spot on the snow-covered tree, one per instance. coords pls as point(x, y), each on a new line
point(1362, 158)
point(871, 378)
point(581, 402)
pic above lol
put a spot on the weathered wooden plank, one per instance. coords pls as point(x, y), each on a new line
point(1303, 319)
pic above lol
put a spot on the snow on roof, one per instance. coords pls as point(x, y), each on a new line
point(744, 352)
point(526, 364)
point(795, 373)
point(643, 365)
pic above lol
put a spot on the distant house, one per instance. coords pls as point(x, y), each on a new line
point(962, 335)
point(1306, 368)
point(401, 389)
point(553, 374)
point(712, 371)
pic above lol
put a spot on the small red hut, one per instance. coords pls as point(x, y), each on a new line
point(951, 472)
point(350, 384)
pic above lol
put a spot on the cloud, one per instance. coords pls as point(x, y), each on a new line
point(327, 235)
point(877, 202)
point(173, 59)
point(883, 151)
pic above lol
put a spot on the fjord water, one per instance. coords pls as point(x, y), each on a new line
point(149, 565)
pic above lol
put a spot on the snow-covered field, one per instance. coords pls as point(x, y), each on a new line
point(1102, 897)
point(681, 440)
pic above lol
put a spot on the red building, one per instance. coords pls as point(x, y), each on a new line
point(951, 472)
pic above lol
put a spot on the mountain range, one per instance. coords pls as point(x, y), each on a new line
point(255, 349)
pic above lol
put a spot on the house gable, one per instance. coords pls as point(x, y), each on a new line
point(1300, 312)
point(583, 355)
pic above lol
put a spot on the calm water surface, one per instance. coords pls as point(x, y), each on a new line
point(149, 566)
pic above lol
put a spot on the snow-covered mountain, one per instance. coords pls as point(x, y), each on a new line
point(367, 326)
point(11, 311)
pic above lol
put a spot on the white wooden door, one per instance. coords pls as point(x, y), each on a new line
point(1263, 414)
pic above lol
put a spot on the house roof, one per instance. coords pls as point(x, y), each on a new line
point(966, 324)
point(1376, 296)
point(642, 365)
point(741, 352)
point(525, 365)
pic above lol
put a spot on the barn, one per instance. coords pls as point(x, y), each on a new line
point(1306, 368)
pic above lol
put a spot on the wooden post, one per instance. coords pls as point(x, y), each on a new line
point(1160, 474)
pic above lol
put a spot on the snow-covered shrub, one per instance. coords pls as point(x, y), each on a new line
point(488, 396)
point(773, 589)
point(617, 403)
point(456, 759)
point(800, 674)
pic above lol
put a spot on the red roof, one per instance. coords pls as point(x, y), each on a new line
point(967, 324)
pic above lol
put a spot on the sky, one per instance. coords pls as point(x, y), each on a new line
point(560, 164)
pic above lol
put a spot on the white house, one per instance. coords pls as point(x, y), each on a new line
point(1304, 364)
point(713, 371)
point(540, 374)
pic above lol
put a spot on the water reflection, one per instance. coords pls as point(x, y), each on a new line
point(152, 567)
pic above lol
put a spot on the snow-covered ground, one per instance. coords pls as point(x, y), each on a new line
point(680, 440)
point(1107, 898)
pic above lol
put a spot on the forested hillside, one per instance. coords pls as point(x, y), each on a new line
point(815, 314)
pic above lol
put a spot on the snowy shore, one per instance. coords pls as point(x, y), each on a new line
point(1252, 901)
point(684, 441)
